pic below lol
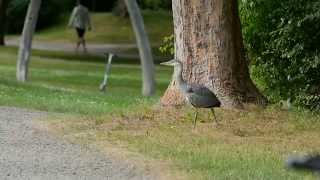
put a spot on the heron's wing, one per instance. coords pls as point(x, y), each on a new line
point(202, 91)
point(200, 96)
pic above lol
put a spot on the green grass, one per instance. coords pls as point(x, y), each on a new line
point(108, 28)
point(248, 145)
point(61, 85)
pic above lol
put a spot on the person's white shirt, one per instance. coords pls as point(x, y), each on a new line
point(80, 18)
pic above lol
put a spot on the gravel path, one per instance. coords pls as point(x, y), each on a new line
point(29, 154)
point(121, 50)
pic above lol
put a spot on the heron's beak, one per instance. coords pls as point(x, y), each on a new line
point(169, 63)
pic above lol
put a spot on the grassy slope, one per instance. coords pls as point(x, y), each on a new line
point(248, 145)
point(108, 28)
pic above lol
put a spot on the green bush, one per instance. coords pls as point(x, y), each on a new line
point(282, 39)
point(167, 46)
point(309, 101)
point(155, 4)
point(100, 5)
point(51, 11)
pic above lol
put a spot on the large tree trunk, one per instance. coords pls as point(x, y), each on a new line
point(26, 40)
point(144, 48)
point(208, 40)
point(3, 15)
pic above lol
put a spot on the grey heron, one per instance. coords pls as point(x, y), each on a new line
point(198, 96)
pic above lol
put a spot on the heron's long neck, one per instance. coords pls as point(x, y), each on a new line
point(178, 76)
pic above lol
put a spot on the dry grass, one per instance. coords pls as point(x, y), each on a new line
point(92, 133)
point(248, 144)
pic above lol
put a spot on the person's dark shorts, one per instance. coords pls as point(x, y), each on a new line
point(80, 32)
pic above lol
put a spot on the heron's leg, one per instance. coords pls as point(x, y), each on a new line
point(195, 119)
point(214, 117)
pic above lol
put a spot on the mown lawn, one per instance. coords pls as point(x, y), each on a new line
point(249, 144)
point(111, 29)
point(108, 28)
point(68, 86)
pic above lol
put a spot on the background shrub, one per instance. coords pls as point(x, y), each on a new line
point(282, 41)
point(155, 4)
point(50, 13)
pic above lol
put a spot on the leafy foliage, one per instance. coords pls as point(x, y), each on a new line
point(311, 102)
point(120, 9)
point(167, 46)
point(99, 5)
point(282, 39)
point(50, 13)
point(155, 4)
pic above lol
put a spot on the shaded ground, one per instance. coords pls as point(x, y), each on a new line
point(29, 153)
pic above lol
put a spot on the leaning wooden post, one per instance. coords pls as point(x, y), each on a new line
point(144, 48)
point(26, 40)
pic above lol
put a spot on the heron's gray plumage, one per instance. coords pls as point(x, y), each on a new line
point(202, 97)
point(197, 95)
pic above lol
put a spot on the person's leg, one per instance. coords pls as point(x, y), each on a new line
point(79, 40)
point(83, 41)
point(84, 45)
point(78, 44)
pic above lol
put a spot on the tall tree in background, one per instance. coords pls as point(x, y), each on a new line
point(208, 41)
point(3, 15)
point(120, 9)
point(144, 47)
point(26, 40)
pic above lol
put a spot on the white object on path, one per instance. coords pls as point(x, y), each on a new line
point(107, 72)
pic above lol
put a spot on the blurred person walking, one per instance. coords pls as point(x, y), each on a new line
point(80, 21)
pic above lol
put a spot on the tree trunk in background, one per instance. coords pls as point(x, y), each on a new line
point(120, 9)
point(208, 41)
point(3, 11)
point(26, 40)
point(144, 48)
point(94, 5)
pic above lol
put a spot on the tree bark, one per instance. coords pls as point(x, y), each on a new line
point(208, 41)
point(144, 48)
point(3, 15)
point(26, 40)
